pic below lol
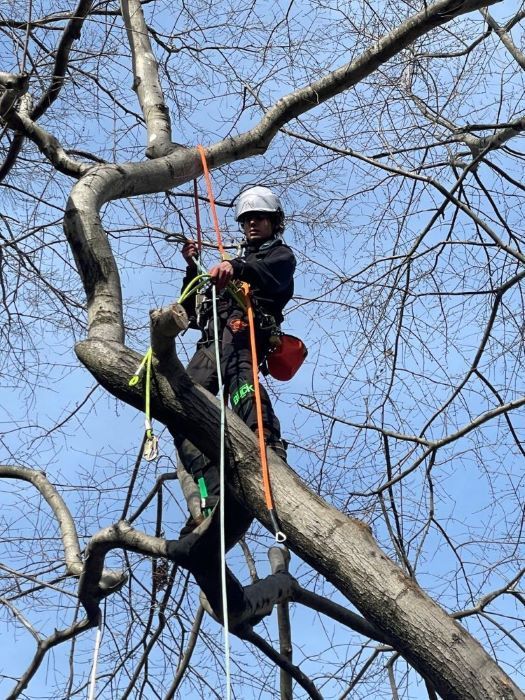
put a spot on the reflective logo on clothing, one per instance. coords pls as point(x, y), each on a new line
point(242, 392)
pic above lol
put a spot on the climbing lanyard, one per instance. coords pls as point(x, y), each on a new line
point(151, 443)
point(268, 497)
point(267, 487)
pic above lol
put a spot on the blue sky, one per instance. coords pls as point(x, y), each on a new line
point(345, 220)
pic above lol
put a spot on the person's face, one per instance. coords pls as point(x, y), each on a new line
point(257, 226)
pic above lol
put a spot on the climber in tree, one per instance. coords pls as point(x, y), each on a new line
point(268, 265)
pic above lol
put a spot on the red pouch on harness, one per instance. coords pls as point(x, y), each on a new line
point(285, 360)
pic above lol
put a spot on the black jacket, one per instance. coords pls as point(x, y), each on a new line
point(267, 268)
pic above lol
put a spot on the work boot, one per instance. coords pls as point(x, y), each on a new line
point(192, 523)
point(279, 446)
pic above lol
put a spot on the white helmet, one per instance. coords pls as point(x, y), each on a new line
point(260, 199)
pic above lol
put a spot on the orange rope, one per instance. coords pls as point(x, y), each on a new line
point(268, 497)
point(258, 403)
point(209, 187)
point(197, 218)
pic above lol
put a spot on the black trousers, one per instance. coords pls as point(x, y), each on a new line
point(237, 377)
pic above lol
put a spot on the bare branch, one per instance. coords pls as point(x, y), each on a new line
point(47, 144)
point(146, 81)
point(188, 653)
point(44, 645)
point(73, 559)
point(505, 37)
point(69, 35)
point(283, 663)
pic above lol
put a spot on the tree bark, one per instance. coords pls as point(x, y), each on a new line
point(146, 81)
point(340, 548)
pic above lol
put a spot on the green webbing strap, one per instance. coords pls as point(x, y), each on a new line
point(203, 491)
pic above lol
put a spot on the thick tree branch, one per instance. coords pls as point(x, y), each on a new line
point(341, 549)
point(279, 561)
point(72, 556)
point(146, 81)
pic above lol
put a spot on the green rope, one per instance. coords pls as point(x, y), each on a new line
point(140, 369)
point(147, 400)
point(150, 451)
point(194, 286)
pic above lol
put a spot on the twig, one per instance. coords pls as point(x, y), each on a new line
point(186, 658)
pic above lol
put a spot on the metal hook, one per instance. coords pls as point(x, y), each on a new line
point(151, 448)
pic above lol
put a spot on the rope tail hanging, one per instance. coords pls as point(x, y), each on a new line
point(151, 443)
point(96, 654)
